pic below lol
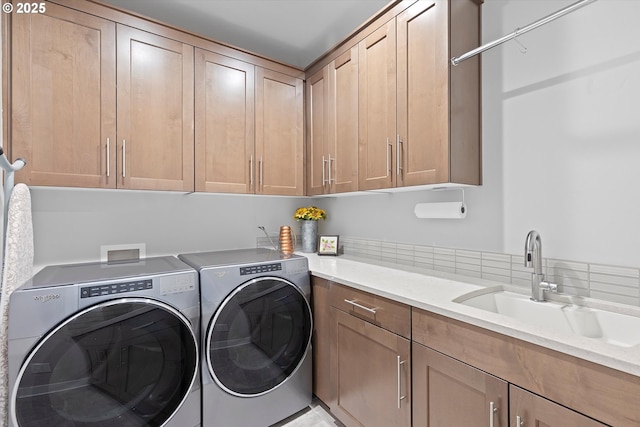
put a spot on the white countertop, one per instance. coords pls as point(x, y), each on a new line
point(434, 291)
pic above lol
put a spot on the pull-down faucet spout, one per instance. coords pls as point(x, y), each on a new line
point(533, 258)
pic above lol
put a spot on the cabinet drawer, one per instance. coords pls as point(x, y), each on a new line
point(388, 314)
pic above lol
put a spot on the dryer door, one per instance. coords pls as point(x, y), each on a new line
point(258, 336)
point(123, 363)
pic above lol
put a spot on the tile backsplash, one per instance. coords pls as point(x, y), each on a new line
point(604, 282)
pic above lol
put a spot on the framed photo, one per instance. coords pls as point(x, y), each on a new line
point(327, 245)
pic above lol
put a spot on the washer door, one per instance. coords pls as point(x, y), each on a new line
point(258, 336)
point(124, 363)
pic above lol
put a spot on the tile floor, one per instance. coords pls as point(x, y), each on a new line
point(315, 416)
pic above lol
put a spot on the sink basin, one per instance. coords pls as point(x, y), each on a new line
point(605, 325)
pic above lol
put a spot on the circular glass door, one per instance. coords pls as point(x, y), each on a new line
point(259, 336)
point(124, 363)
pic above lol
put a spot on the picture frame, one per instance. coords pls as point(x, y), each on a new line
point(328, 244)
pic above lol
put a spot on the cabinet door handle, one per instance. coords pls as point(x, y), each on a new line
point(398, 155)
point(355, 304)
point(251, 171)
point(324, 162)
point(260, 176)
point(330, 160)
point(400, 396)
point(492, 413)
point(388, 158)
point(519, 421)
point(124, 158)
point(108, 162)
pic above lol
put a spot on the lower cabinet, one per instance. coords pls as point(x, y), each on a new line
point(528, 409)
point(371, 367)
point(380, 363)
point(362, 356)
point(447, 392)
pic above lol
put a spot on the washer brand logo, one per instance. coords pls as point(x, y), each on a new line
point(46, 298)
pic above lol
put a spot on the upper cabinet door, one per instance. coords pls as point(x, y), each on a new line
point(343, 123)
point(155, 112)
point(377, 112)
point(224, 124)
point(423, 96)
point(62, 113)
point(279, 134)
point(317, 102)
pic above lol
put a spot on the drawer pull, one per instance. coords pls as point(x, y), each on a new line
point(519, 421)
point(355, 304)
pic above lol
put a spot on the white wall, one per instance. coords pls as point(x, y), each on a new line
point(561, 148)
point(70, 225)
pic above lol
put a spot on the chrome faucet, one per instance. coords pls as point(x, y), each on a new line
point(533, 258)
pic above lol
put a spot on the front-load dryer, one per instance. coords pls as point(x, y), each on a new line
point(256, 330)
point(106, 345)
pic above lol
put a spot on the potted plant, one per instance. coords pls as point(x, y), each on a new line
point(309, 218)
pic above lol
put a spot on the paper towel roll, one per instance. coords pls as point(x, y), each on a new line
point(447, 210)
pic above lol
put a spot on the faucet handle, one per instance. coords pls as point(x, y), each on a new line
point(549, 287)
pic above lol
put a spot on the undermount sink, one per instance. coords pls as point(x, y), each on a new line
point(609, 326)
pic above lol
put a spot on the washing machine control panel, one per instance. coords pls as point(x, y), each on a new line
point(115, 288)
point(260, 268)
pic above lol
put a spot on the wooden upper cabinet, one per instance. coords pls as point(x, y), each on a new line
point(317, 103)
point(279, 134)
point(377, 108)
point(342, 166)
point(423, 95)
point(224, 124)
point(332, 126)
point(155, 112)
point(63, 99)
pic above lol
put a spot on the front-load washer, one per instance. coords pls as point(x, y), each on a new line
point(106, 345)
point(256, 328)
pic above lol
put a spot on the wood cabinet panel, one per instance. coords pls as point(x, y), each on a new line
point(343, 123)
point(224, 124)
point(447, 392)
point(372, 371)
point(382, 312)
point(317, 101)
point(377, 108)
point(423, 95)
point(63, 98)
point(605, 394)
point(155, 111)
point(322, 384)
point(279, 134)
point(534, 410)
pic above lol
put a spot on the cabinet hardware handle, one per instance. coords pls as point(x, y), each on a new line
point(324, 162)
point(251, 171)
point(108, 163)
point(492, 412)
point(260, 177)
point(400, 396)
point(330, 160)
point(398, 155)
point(355, 304)
point(519, 421)
point(124, 158)
point(388, 158)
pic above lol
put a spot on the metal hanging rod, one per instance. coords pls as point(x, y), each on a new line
point(575, 6)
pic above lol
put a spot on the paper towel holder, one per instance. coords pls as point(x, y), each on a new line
point(442, 210)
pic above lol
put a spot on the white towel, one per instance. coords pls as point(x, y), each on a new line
point(18, 269)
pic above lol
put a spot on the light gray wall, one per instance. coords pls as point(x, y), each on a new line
point(561, 146)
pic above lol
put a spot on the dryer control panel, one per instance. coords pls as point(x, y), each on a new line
point(115, 288)
point(260, 268)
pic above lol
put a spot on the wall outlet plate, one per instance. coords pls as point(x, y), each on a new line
point(125, 252)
